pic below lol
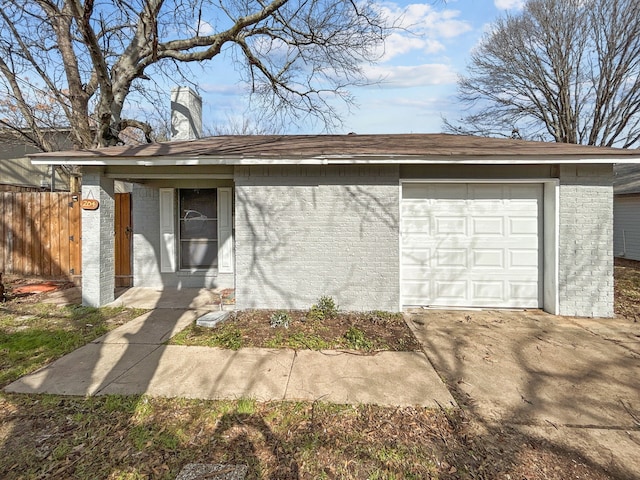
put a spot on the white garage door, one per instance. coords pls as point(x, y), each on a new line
point(473, 245)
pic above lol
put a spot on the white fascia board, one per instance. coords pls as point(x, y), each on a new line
point(484, 160)
point(128, 161)
point(335, 160)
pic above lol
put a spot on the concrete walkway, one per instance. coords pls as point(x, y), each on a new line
point(133, 359)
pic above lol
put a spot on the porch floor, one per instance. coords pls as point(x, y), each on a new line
point(150, 298)
point(168, 297)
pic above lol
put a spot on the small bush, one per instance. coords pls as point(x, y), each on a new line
point(325, 308)
point(357, 339)
point(280, 319)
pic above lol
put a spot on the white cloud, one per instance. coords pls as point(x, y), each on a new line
point(204, 28)
point(223, 88)
point(421, 28)
point(397, 44)
point(423, 18)
point(411, 76)
point(509, 4)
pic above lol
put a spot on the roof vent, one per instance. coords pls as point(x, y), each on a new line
point(186, 114)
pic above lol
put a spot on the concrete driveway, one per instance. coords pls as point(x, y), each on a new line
point(575, 382)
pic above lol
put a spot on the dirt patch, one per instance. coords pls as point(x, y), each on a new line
point(627, 288)
point(32, 289)
point(42, 287)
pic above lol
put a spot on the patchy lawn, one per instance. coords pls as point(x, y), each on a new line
point(33, 334)
point(138, 437)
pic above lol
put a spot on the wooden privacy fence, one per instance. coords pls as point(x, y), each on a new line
point(40, 234)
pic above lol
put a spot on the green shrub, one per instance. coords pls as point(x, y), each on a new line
point(325, 308)
point(357, 339)
point(280, 319)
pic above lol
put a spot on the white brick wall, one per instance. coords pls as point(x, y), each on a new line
point(98, 243)
point(146, 236)
point(586, 241)
point(304, 232)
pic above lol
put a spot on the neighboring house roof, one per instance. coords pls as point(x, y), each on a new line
point(337, 149)
point(17, 170)
point(626, 179)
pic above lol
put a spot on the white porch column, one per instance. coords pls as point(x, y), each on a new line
point(98, 241)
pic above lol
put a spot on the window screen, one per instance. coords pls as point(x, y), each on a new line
point(198, 228)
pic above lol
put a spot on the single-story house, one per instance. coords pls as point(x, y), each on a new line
point(375, 221)
point(626, 211)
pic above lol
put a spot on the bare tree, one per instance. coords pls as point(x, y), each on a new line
point(561, 70)
point(244, 125)
point(87, 57)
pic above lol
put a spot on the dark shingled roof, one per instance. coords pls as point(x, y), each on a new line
point(313, 146)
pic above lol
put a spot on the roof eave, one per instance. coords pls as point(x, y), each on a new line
point(452, 159)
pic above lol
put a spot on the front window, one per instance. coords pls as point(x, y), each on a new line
point(198, 228)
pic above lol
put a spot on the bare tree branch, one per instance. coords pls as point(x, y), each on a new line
point(561, 70)
point(87, 57)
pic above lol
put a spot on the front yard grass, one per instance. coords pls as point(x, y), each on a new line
point(34, 334)
point(133, 437)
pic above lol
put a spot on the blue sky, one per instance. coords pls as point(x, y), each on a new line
point(419, 71)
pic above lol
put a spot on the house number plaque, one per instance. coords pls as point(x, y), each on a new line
point(89, 204)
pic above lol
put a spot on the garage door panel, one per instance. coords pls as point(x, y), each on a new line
point(415, 242)
point(451, 257)
point(522, 291)
point(488, 258)
point(417, 225)
point(519, 258)
point(471, 245)
point(492, 226)
point(412, 209)
point(453, 194)
point(522, 191)
point(523, 226)
point(416, 290)
point(489, 291)
point(416, 274)
point(523, 205)
point(415, 190)
point(445, 226)
point(452, 290)
point(485, 191)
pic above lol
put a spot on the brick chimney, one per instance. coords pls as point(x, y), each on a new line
point(186, 114)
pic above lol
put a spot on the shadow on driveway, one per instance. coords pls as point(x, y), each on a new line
point(574, 382)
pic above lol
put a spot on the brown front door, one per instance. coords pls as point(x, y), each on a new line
point(124, 234)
